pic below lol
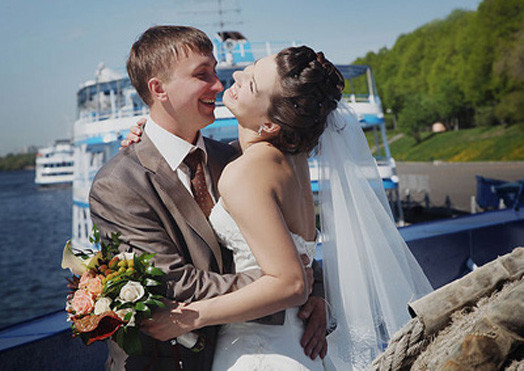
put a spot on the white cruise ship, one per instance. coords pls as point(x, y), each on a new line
point(54, 165)
point(109, 105)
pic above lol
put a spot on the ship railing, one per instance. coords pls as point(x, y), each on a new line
point(256, 49)
point(360, 98)
point(265, 48)
point(95, 116)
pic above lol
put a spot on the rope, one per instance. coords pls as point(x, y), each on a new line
point(404, 347)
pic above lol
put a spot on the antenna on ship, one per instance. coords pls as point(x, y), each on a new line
point(220, 12)
point(226, 39)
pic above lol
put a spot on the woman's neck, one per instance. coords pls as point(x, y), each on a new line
point(246, 138)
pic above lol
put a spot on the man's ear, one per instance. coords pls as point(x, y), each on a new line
point(157, 89)
point(271, 128)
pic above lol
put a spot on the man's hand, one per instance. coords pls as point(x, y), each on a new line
point(314, 339)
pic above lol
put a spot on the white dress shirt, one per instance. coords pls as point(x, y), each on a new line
point(174, 150)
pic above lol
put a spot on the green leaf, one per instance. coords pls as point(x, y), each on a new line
point(127, 339)
point(155, 302)
point(143, 311)
point(151, 283)
point(120, 305)
point(119, 337)
point(154, 271)
point(96, 232)
point(132, 342)
point(161, 304)
point(146, 313)
point(139, 267)
point(112, 287)
point(146, 258)
point(128, 316)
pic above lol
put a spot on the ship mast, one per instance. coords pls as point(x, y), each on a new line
point(220, 14)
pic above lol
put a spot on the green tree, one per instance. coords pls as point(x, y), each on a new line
point(418, 114)
point(470, 64)
point(510, 109)
point(17, 162)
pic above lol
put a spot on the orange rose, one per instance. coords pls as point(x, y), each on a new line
point(84, 279)
point(94, 285)
point(82, 302)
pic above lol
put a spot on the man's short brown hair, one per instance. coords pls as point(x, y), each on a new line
point(156, 50)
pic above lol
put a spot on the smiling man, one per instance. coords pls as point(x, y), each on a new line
point(146, 191)
point(158, 193)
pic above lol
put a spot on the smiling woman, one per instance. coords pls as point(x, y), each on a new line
point(250, 96)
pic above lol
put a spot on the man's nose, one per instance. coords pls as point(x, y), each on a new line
point(218, 85)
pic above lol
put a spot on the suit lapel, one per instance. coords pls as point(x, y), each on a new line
point(177, 196)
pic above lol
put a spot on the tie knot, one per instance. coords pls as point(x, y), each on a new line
point(193, 159)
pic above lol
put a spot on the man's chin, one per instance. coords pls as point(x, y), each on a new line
point(208, 121)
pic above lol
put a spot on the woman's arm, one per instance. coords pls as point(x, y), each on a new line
point(247, 190)
point(248, 194)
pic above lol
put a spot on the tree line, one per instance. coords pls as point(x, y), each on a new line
point(465, 70)
point(17, 161)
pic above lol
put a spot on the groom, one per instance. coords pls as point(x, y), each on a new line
point(146, 191)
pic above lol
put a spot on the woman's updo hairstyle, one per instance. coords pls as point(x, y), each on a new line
point(311, 87)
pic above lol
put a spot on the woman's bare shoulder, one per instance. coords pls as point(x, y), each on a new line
point(257, 169)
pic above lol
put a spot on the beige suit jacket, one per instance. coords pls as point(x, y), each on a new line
point(138, 194)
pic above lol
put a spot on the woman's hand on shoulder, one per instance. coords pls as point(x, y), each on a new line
point(135, 132)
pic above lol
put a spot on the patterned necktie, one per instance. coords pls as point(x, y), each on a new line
point(198, 181)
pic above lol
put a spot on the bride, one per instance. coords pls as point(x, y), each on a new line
point(286, 105)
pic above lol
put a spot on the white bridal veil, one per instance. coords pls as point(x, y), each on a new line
point(369, 272)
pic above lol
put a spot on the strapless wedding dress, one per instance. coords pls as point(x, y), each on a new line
point(250, 345)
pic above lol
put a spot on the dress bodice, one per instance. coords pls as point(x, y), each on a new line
point(230, 236)
point(252, 345)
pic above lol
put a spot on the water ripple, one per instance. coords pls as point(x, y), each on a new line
point(34, 225)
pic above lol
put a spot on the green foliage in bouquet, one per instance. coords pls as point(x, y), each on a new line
point(112, 292)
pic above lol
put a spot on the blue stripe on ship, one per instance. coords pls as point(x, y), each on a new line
point(80, 204)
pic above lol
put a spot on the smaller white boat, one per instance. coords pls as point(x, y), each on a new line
point(54, 164)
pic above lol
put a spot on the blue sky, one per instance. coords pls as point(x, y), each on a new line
point(50, 47)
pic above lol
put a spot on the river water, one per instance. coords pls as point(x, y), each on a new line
point(35, 223)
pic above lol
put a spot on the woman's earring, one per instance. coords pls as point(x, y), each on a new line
point(260, 130)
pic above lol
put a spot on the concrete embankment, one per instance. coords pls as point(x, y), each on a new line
point(455, 180)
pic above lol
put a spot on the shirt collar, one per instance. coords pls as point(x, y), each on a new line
point(173, 148)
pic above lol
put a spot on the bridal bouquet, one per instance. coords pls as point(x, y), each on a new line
point(112, 292)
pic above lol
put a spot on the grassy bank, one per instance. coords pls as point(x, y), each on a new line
point(478, 144)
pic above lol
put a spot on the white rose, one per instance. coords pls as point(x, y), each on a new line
point(102, 305)
point(131, 292)
point(125, 256)
point(122, 314)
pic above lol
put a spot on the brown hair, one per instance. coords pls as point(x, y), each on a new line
point(311, 87)
point(155, 51)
